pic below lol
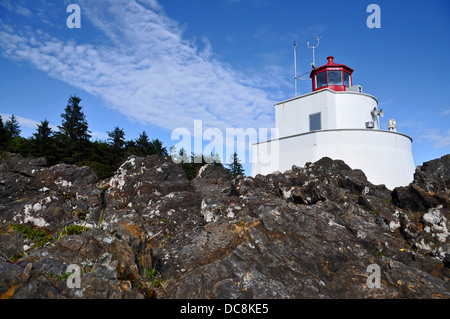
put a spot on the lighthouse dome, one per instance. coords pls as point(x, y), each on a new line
point(337, 77)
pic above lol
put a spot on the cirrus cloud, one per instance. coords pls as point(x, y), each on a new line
point(143, 68)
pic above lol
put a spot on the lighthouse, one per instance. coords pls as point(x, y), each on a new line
point(337, 120)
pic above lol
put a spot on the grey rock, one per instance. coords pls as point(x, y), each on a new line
point(311, 232)
point(443, 252)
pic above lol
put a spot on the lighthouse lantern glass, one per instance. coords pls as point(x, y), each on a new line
point(346, 79)
point(321, 79)
point(334, 77)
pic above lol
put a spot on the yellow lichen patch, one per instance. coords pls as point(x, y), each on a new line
point(242, 227)
point(9, 293)
point(134, 230)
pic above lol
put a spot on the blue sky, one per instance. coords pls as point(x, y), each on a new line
point(158, 65)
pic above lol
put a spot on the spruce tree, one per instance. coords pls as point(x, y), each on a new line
point(73, 135)
point(158, 147)
point(44, 131)
point(74, 126)
point(116, 138)
point(235, 167)
point(43, 143)
point(3, 135)
point(12, 127)
point(143, 145)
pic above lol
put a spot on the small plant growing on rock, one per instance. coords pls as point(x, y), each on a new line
point(65, 196)
point(415, 217)
point(101, 219)
point(72, 230)
point(123, 273)
point(153, 277)
point(38, 236)
point(65, 275)
point(14, 259)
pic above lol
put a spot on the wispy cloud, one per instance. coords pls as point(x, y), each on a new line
point(146, 69)
point(16, 8)
point(439, 140)
point(26, 122)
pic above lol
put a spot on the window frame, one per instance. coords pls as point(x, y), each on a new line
point(311, 116)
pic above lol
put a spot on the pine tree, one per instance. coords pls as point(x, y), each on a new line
point(236, 167)
point(158, 148)
point(184, 156)
point(12, 127)
point(43, 143)
point(143, 145)
point(74, 126)
point(73, 133)
point(44, 131)
point(3, 135)
point(117, 138)
point(213, 159)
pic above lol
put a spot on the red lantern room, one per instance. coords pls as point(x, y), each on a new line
point(337, 77)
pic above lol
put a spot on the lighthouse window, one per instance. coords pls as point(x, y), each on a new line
point(334, 77)
point(315, 122)
point(321, 79)
point(346, 79)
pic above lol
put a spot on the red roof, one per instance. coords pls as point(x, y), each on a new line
point(330, 64)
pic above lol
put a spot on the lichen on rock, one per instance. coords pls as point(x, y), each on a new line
point(147, 231)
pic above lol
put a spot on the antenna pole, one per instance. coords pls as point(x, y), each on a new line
point(314, 47)
point(295, 67)
point(314, 57)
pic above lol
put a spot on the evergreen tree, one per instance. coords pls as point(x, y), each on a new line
point(12, 127)
point(116, 146)
point(143, 145)
point(44, 131)
point(73, 134)
point(43, 143)
point(101, 158)
point(184, 156)
point(117, 138)
point(236, 167)
point(74, 126)
point(3, 135)
point(190, 165)
point(213, 159)
point(158, 148)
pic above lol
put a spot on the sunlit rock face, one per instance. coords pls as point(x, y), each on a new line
point(147, 231)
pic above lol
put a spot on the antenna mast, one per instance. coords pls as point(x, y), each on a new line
point(297, 77)
point(295, 67)
point(314, 47)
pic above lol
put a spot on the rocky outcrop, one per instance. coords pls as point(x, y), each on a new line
point(311, 232)
point(430, 188)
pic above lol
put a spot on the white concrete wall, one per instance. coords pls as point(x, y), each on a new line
point(353, 110)
point(384, 156)
point(292, 116)
point(339, 110)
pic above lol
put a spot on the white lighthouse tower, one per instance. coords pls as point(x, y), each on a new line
point(339, 121)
